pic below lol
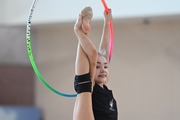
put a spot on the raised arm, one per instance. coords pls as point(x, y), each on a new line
point(104, 47)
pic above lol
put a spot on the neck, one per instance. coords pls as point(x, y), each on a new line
point(100, 84)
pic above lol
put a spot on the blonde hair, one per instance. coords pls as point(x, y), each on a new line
point(102, 52)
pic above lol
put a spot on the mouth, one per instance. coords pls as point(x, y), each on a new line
point(102, 76)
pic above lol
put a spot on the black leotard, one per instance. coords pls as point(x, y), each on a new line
point(104, 104)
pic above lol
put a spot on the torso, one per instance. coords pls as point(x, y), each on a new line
point(104, 104)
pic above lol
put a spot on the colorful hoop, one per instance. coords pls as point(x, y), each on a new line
point(30, 53)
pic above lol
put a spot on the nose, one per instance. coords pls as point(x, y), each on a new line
point(102, 70)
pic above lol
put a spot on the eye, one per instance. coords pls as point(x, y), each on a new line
point(105, 67)
point(97, 67)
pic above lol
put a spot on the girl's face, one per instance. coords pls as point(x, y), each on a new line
point(102, 72)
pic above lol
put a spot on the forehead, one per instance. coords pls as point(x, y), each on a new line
point(101, 59)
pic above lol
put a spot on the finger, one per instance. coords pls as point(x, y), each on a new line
point(109, 11)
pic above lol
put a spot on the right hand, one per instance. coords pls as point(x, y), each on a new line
point(107, 16)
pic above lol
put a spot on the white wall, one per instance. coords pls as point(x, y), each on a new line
point(13, 48)
point(144, 69)
point(3, 13)
point(15, 13)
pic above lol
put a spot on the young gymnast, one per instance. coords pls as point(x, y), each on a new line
point(94, 100)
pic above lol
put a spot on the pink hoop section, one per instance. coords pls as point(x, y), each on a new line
point(111, 31)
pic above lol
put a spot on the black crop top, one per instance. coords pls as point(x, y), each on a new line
point(104, 104)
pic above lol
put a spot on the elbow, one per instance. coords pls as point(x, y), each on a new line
point(94, 53)
point(93, 57)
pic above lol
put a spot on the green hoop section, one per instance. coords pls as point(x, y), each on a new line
point(31, 58)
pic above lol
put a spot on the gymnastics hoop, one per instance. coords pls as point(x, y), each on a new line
point(30, 53)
